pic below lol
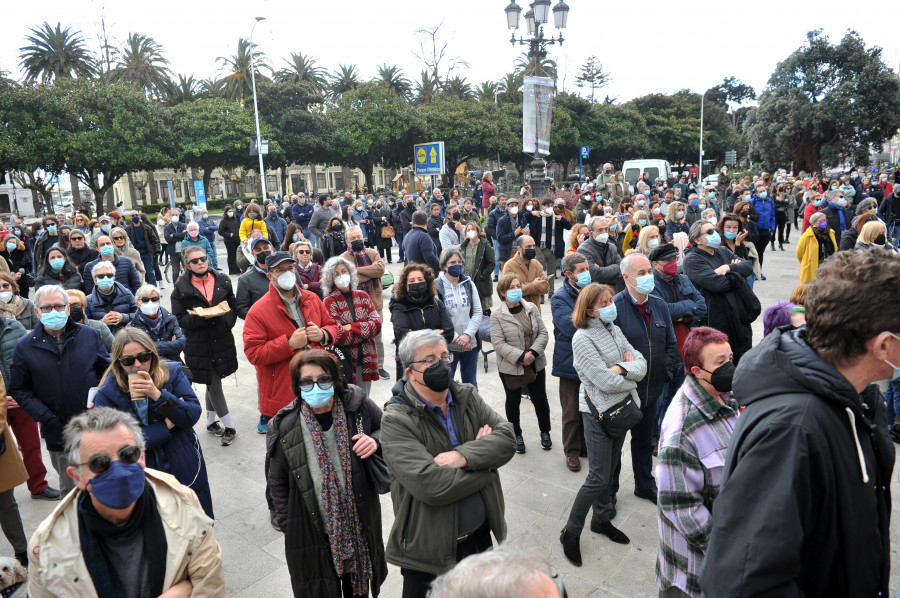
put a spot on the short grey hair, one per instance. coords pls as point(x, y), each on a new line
point(832, 195)
point(328, 273)
point(449, 253)
point(571, 260)
point(865, 205)
point(102, 265)
point(98, 419)
point(50, 289)
point(625, 266)
point(300, 244)
point(705, 214)
point(816, 217)
point(505, 572)
point(145, 290)
point(413, 341)
point(192, 224)
point(696, 230)
point(590, 222)
point(119, 229)
point(187, 251)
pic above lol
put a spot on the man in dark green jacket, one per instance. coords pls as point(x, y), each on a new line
point(442, 445)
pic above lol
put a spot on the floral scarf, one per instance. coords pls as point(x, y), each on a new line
point(12, 309)
point(349, 552)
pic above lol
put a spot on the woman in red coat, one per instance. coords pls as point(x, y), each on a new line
point(488, 189)
point(358, 320)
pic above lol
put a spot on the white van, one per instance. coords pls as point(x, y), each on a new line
point(635, 169)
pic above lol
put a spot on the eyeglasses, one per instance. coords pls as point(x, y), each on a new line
point(46, 309)
point(324, 382)
point(129, 360)
point(100, 464)
point(303, 252)
point(149, 299)
point(102, 276)
point(198, 260)
point(118, 238)
point(73, 239)
point(431, 359)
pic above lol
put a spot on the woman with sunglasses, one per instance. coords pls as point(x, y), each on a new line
point(79, 252)
point(122, 247)
point(159, 324)
point(57, 268)
point(324, 500)
point(308, 271)
point(160, 397)
point(209, 352)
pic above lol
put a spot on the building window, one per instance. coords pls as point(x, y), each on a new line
point(178, 191)
point(321, 182)
point(272, 183)
point(164, 191)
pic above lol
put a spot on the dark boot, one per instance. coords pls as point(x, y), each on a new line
point(571, 547)
point(610, 531)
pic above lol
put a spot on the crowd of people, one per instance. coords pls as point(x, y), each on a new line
point(651, 306)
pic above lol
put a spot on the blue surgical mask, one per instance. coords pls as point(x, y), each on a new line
point(317, 397)
point(455, 270)
point(120, 486)
point(713, 240)
point(730, 236)
point(842, 202)
point(695, 202)
point(55, 320)
point(644, 284)
point(608, 314)
point(584, 279)
point(105, 228)
point(57, 263)
point(105, 283)
point(107, 250)
point(646, 192)
point(514, 296)
point(12, 246)
point(763, 194)
point(642, 221)
point(18, 232)
point(679, 214)
point(51, 228)
point(296, 237)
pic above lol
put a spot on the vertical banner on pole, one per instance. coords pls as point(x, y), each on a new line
point(537, 113)
point(200, 195)
point(171, 196)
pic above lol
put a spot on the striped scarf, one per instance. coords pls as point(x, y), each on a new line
point(349, 552)
point(362, 259)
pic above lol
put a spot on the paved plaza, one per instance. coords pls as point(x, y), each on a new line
point(539, 490)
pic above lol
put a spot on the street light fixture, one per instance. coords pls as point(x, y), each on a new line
point(513, 12)
point(262, 172)
point(541, 11)
point(529, 22)
point(561, 15)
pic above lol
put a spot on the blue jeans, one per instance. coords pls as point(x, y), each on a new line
point(641, 451)
point(894, 230)
point(314, 239)
point(497, 257)
point(468, 366)
point(399, 238)
point(147, 260)
point(603, 453)
point(892, 398)
point(665, 399)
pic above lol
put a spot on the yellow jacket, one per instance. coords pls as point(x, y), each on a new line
point(808, 253)
point(247, 226)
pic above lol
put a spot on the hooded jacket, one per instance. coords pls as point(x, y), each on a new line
point(805, 504)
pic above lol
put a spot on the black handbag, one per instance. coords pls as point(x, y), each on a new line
point(375, 466)
point(619, 418)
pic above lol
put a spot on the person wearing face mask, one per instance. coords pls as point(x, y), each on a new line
point(17, 260)
point(645, 321)
point(106, 225)
point(601, 253)
point(734, 237)
point(156, 392)
point(276, 226)
point(837, 213)
point(122, 248)
point(872, 235)
point(478, 263)
point(333, 241)
point(648, 240)
point(693, 210)
point(208, 228)
point(254, 283)
point(817, 243)
point(720, 276)
point(818, 400)
point(510, 226)
point(576, 276)
point(174, 233)
point(418, 245)
point(75, 356)
point(382, 217)
point(549, 229)
point(497, 212)
point(47, 238)
point(609, 369)
point(441, 518)
point(416, 306)
point(159, 324)
point(15, 307)
point(676, 219)
point(318, 222)
point(461, 299)
point(815, 203)
point(194, 238)
point(358, 320)
point(302, 213)
point(127, 529)
point(529, 271)
point(369, 268)
point(618, 190)
point(110, 302)
point(77, 303)
point(700, 422)
point(143, 237)
point(402, 222)
point(57, 269)
point(229, 230)
point(253, 219)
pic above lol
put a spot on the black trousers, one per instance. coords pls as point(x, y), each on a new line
point(764, 237)
point(231, 251)
point(537, 390)
point(780, 223)
point(417, 583)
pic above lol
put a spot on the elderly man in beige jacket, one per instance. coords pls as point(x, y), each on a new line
point(529, 271)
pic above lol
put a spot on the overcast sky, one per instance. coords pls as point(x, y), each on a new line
point(646, 46)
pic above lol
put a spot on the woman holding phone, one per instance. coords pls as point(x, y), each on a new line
point(159, 395)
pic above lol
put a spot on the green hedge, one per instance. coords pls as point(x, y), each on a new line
point(212, 204)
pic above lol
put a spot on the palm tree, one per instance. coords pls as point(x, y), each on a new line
point(426, 88)
point(511, 85)
point(457, 88)
point(56, 54)
point(303, 69)
point(345, 79)
point(238, 86)
point(526, 63)
point(141, 61)
point(486, 91)
point(186, 89)
point(392, 77)
point(212, 88)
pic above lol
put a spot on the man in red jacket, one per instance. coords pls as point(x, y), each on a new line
point(285, 320)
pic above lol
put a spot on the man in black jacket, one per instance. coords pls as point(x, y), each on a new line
point(145, 239)
point(418, 246)
point(805, 505)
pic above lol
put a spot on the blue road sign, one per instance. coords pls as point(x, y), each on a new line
point(429, 158)
point(585, 151)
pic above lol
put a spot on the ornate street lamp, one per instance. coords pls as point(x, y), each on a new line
point(262, 172)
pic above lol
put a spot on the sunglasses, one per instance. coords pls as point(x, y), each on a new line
point(324, 382)
point(100, 464)
point(118, 238)
point(304, 252)
point(73, 239)
point(102, 276)
point(149, 299)
point(197, 260)
point(129, 360)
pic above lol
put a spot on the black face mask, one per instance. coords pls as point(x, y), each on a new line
point(261, 257)
point(437, 376)
point(76, 313)
point(198, 275)
point(357, 245)
point(662, 230)
point(880, 239)
point(529, 254)
point(417, 290)
point(722, 377)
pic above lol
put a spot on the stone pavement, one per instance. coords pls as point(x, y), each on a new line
point(539, 490)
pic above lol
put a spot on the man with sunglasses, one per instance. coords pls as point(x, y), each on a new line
point(127, 530)
point(53, 367)
point(125, 272)
point(79, 252)
point(110, 301)
point(145, 240)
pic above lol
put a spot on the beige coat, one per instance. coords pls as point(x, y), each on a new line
point(367, 273)
point(531, 291)
point(12, 469)
point(508, 338)
point(56, 566)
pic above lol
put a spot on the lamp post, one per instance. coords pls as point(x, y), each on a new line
point(262, 172)
point(535, 19)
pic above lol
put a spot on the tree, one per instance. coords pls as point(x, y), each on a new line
point(511, 87)
point(186, 89)
point(303, 69)
point(487, 91)
point(732, 91)
point(823, 98)
point(141, 62)
point(237, 84)
point(426, 88)
point(591, 75)
point(344, 79)
point(56, 53)
point(538, 66)
point(107, 130)
point(457, 87)
point(433, 52)
point(392, 78)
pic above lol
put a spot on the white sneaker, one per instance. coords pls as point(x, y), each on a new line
point(162, 284)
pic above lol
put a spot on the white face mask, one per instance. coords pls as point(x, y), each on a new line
point(514, 211)
point(6, 296)
point(287, 281)
point(653, 243)
point(175, 219)
point(471, 234)
point(548, 211)
point(150, 308)
point(342, 281)
point(602, 237)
